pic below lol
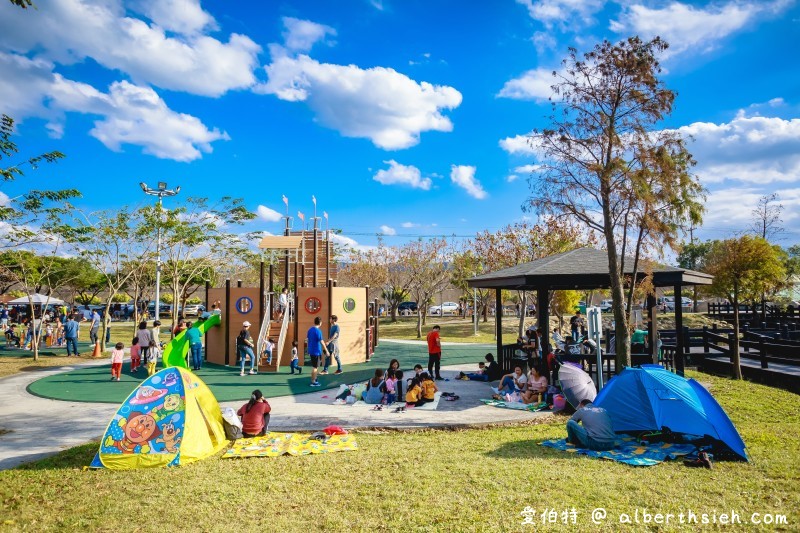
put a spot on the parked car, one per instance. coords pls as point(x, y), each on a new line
point(165, 310)
point(193, 310)
point(407, 308)
point(605, 306)
point(445, 308)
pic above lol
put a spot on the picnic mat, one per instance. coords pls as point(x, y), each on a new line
point(629, 451)
point(430, 406)
point(276, 444)
point(519, 406)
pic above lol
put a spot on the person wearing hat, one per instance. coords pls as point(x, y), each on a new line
point(244, 348)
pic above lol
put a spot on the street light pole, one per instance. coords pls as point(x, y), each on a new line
point(161, 191)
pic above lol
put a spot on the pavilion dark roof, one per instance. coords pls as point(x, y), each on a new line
point(582, 268)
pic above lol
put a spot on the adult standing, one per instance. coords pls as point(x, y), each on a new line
point(194, 338)
point(316, 348)
point(333, 346)
point(94, 328)
point(71, 336)
point(144, 337)
point(4, 318)
point(597, 432)
point(576, 325)
point(434, 352)
point(244, 348)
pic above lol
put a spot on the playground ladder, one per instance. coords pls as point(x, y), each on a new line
point(263, 334)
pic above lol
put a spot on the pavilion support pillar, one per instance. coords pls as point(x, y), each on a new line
point(498, 321)
point(543, 309)
point(652, 326)
point(679, 339)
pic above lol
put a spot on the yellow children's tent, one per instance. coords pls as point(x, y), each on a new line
point(171, 419)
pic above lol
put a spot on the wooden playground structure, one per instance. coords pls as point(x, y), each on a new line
point(306, 269)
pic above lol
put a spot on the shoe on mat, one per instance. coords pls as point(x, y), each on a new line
point(241, 373)
point(338, 372)
point(315, 384)
point(252, 372)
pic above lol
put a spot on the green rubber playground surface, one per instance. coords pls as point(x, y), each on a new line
point(93, 384)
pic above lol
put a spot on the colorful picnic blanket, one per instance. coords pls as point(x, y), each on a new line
point(519, 406)
point(629, 451)
point(276, 444)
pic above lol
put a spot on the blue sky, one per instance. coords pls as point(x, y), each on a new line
point(403, 118)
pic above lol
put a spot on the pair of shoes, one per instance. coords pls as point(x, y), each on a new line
point(401, 409)
point(377, 408)
point(339, 401)
point(451, 398)
point(315, 384)
point(323, 373)
point(338, 372)
point(439, 378)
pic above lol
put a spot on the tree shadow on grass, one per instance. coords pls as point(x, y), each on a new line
point(529, 449)
point(76, 457)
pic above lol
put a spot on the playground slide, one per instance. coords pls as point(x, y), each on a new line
point(175, 352)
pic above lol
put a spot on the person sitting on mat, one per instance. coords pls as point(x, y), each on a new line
point(514, 382)
point(597, 433)
point(537, 386)
point(488, 371)
point(429, 388)
point(414, 394)
point(255, 415)
point(374, 394)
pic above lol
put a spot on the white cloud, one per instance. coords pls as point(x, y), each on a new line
point(180, 16)
point(409, 225)
point(380, 104)
point(69, 31)
point(268, 215)
point(348, 242)
point(301, 35)
point(747, 149)
point(532, 85)
point(527, 169)
point(464, 177)
point(574, 12)
point(388, 230)
point(130, 114)
point(543, 41)
point(686, 27)
point(730, 210)
point(4, 199)
point(524, 145)
point(398, 174)
point(511, 178)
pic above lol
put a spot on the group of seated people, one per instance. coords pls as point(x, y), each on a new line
point(516, 386)
point(386, 387)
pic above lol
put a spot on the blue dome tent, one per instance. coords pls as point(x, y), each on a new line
point(651, 398)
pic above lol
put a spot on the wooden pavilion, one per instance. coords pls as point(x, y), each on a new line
point(584, 269)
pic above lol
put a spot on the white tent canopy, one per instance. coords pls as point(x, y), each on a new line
point(41, 299)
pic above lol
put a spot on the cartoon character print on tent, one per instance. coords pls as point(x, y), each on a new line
point(172, 418)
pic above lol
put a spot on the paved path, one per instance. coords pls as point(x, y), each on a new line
point(38, 427)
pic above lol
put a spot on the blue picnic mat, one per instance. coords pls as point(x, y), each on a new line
point(629, 451)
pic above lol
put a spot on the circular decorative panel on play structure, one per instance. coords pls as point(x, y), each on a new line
point(349, 305)
point(244, 305)
point(313, 305)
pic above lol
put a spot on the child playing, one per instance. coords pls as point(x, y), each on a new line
point(268, 347)
point(136, 355)
point(295, 364)
point(391, 386)
point(151, 357)
point(414, 394)
point(429, 388)
point(117, 354)
point(48, 335)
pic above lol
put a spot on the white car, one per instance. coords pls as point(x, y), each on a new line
point(193, 310)
point(446, 308)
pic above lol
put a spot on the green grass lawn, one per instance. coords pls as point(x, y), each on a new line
point(442, 480)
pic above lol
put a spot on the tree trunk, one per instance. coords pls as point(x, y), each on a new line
point(735, 359)
point(393, 313)
point(419, 322)
point(623, 344)
point(523, 310)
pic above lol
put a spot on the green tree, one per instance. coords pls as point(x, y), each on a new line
point(604, 165)
point(743, 269)
point(24, 214)
point(196, 237)
point(691, 256)
point(465, 265)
